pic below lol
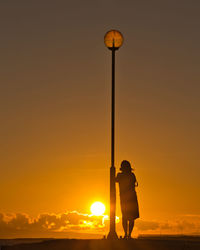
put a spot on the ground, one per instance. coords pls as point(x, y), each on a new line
point(162, 243)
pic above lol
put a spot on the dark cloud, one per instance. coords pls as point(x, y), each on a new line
point(185, 224)
point(147, 225)
point(74, 224)
point(22, 224)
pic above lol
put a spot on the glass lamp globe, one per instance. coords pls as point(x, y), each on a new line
point(113, 39)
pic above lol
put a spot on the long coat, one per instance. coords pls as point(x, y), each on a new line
point(128, 196)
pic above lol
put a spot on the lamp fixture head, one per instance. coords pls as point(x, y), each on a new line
point(113, 39)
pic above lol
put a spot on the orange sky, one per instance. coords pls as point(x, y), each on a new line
point(55, 109)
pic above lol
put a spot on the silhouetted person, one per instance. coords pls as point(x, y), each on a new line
point(128, 197)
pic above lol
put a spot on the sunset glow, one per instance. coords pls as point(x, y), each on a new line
point(58, 60)
point(98, 208)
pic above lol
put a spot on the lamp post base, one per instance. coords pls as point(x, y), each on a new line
point(112, 236)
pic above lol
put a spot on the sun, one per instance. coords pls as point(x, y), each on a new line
point(97, 208)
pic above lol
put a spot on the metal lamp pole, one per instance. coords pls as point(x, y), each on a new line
point(115, 39)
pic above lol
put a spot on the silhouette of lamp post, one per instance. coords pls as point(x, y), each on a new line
point(113, 40)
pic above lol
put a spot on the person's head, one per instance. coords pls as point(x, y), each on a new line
point(126, 166)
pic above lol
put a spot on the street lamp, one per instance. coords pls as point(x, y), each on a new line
point(113, 40)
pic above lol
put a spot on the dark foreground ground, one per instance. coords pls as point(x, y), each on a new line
point(180, 243)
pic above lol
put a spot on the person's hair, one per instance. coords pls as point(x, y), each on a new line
point(126, 166)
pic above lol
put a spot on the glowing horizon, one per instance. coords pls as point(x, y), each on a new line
point(55, 74)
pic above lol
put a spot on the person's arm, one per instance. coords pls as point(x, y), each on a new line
point(135, 181)
point(117, 178)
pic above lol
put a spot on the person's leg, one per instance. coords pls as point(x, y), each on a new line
point(131, 225)
point(125, 225)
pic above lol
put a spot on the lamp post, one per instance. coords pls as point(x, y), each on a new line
point(113, 40)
